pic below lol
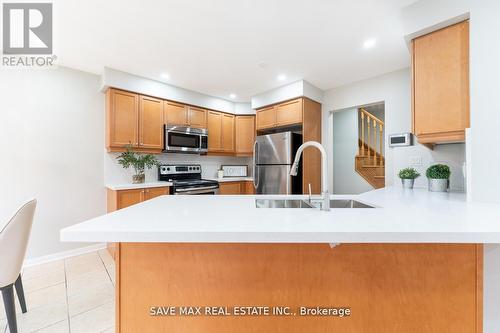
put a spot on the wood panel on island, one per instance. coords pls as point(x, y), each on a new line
point(138, 120)
point(302, 115)
point(440, 85)
point(386, 287)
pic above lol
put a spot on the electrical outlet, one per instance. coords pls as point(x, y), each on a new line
point(416, 160)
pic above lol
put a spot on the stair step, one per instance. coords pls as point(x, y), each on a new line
point(379, 177)
point(372, 166)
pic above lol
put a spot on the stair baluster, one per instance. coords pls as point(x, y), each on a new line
point(369, 138)
point(381, 127)
point(362, 133)
point(371, 168)
point(374, 142)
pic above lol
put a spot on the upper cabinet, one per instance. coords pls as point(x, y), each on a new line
point(214, 125)
point(266, 118)
point(220, 132)
point(184, 115)
point(289, 113)
point(138, 120)
point(245, 135)
point(283, 114)
point(197, 117)
point(227, 133)
point(122, 116)
point(135, 120)
point(175, 113)
point(440, 64)
point(150, 123)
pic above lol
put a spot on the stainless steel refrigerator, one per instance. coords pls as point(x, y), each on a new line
point(273, 157)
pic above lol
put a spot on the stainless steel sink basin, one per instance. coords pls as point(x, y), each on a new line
point(281, 203)
point(338, 203)
point(348, 204)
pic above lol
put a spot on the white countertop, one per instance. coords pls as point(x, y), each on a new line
point(403, 216)
point(233, 179)
point(130, 186)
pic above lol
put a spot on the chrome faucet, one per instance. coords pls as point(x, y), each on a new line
point(324, 170)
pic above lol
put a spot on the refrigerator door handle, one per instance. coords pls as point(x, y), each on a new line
point(255, 184)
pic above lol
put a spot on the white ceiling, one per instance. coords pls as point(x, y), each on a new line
point(219, 47)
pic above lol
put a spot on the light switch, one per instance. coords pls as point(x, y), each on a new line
point(416, 160)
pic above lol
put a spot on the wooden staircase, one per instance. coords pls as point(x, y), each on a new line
point(370, 161)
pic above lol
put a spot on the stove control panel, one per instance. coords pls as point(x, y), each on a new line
point(179, 169)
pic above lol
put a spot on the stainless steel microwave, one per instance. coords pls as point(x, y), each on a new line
point(180, 139)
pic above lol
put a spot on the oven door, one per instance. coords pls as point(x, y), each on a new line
point(206, 190)
point(185, 140)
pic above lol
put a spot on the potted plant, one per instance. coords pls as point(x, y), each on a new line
point(138, 161)
point(408, 176)
point(439, 177)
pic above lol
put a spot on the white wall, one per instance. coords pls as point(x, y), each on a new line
point(286, 92)
point(425, 16)
point(126, 81)
point(52, 141)
point(394, 90)
point(344, 150)
point(485, 122)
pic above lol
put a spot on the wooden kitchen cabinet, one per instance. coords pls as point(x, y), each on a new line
point(220, 132)
point(122, 116)
point(289, 113)
point(266, 117)
point(230, 188)
point(245, 135)
point(214, 125)
point(126, 198)
point(138, 120)
point(184, 115)
point(150, 123)
point(175, 113)
point(197, 117)
point(119, 199)
point(153, 192)
point(227, 139)
point(440, 65)
point(236, 188)
point(134, 120)
point(248, 187)
point(282, 114)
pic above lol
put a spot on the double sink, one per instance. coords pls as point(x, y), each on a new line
point(297, 203)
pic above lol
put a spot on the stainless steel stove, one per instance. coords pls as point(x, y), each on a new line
point(186, 179)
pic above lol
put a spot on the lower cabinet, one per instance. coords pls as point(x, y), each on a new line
point(119, 199)
point(236, 188)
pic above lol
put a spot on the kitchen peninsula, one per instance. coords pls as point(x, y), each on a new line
point(409, 264)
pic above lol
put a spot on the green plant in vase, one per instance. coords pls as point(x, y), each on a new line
point(137, 161)
point(439, 177)
point(408, 176)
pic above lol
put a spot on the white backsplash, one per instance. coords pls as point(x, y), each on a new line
point(115, 174)
point(421, 158)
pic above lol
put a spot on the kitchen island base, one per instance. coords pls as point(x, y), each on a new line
point(385, 287)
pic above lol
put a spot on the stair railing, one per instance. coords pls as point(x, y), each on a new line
point(374, 129)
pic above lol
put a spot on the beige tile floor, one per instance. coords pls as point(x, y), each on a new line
point(72, 295)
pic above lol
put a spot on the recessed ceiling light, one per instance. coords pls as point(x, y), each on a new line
point(232, 96)
point(369, 43)
point(165, 76)
point(281, 77)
